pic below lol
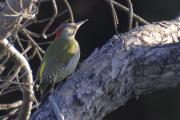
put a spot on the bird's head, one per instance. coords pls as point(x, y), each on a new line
point(68, 30)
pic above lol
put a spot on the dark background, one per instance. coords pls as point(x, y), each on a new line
point(162, 105)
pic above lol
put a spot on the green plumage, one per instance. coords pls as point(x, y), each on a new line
point(59, 61)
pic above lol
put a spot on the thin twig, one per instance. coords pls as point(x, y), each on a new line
point(11, 70)
point(26, 50)
point(28, 90)
point(31, 56)
point(2, 68)
point(122, 7)
point(4, 51)
point(14, 11)
point(20, 44)
point(33, 41)
point(39, 55)
point(51, 20)
point(23, 40)
point(46, 19)
point(21, 4)
point(115, 18)
point(36, 35)
point(11, 113)
point(10, 91)
point(28, 23)
point(7, 58)
point(22, 85)
point(130, 14)
point(136, 23)
point(11, 105)
point(45, 43)
point(55, 108)
point(70, 11)
point(51, 34)
point(14, 82)
point(10, 78)
point(11, 15)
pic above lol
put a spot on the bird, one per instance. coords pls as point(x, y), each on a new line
point(60, 59)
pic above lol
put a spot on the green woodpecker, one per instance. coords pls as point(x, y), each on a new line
point(60, 59)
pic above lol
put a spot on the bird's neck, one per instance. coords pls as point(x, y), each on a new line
point(64, 41)
point(65, 46)
point(64, 36)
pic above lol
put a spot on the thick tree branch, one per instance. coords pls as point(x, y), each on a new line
point(27, 90)
point(14, 16)
point(146, 59)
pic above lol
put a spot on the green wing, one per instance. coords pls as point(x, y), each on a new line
point(42, 69)
point(57, 56)
point(47, 75)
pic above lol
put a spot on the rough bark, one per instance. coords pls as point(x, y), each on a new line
point(143, 60)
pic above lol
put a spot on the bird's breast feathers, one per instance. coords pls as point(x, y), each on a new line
point(73, 47)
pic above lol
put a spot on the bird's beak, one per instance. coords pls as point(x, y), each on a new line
point(81, 22)
point(78, 25)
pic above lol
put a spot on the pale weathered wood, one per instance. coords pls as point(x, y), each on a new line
point(143, 60)
point(13, 14)
point(24, 66)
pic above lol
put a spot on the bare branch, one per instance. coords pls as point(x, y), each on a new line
point(11, 105)
point(32, 41)
point(9, 79)
point(7, 58)
point(122, 7)
point(28, 79)
point(130, 14)
point(136, 23)
point(115, 18)
point(52, 18)
point(14, 11)
point(45, 43)
point(9, 24)
point(10, 90)
point(14, 16)
point(39, 55)
point(55, 108)
point(70, 11)
point(20, 44)
point(47, 19)
point(32, 54)
point(11, 113)
point(26, 50)
point(33, 34)
point(140, 61)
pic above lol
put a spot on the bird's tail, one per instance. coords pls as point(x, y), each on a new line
point(46, 88)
